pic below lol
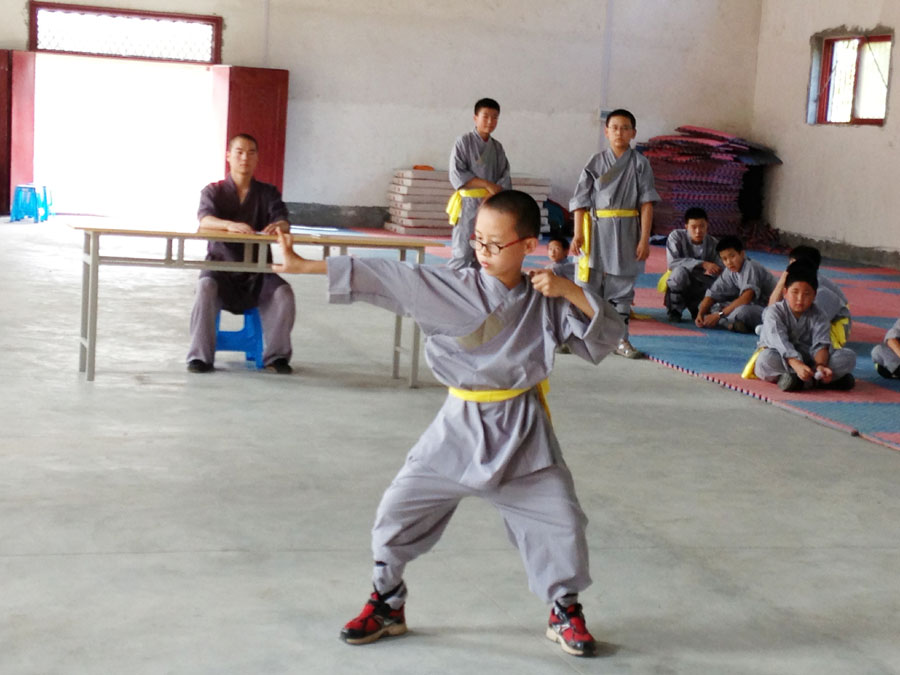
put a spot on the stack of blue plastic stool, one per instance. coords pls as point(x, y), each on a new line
point(248, 340)
point(30, 201)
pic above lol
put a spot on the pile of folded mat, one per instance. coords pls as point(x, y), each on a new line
point(417, 199)
point(714, 170)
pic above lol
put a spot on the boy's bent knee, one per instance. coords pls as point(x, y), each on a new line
point(207, 287)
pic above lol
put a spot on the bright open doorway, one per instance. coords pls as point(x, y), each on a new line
point(126, 138)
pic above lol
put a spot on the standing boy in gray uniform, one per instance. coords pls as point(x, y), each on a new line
point(613, 209)
point(478, 169)
point(241, 204)
point(886, 356)
point(796, 339)
point(491, 335)
point(693, 264)
point(736, 299)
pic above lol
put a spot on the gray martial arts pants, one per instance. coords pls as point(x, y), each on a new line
point(750, 315)
point(770, 365)
point(686, 287)
point(462, 254)
point(276, 312)
point(540, 510)
point(883, 355)
point(616, 289)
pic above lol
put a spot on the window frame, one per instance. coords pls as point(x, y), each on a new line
point(216, 22)
point(824, 79)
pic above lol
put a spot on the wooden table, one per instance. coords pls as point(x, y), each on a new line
point(254, 247)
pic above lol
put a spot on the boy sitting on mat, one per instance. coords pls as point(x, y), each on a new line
point(886, 356)
point(736, 299)
point(796, 340)
point(693, 264)
point(560, 263)
point(491, 334)
point(829, 297)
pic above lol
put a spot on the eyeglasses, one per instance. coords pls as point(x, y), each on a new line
point(493, 249)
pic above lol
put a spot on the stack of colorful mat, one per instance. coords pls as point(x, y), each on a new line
point(706, 168)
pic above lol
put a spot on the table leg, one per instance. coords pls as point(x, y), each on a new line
point(414, 365)
point(92, 305)
point(85, 293)
point(398, 333)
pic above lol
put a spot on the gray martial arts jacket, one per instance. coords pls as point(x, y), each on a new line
point(480, 335)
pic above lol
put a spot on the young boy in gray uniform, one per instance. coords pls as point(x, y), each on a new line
point(736, 299)
point(829, 296)
point(693, 264)
point(613, 210)
point(478, 169)
point(560, 263)
point(886, 356)
point(491, 335)
point(796, 338)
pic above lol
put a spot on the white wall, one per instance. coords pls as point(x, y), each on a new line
point(837, 183)
point(375, 86)
point(381, 85)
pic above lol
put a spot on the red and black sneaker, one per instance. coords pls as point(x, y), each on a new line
point(568, 629)
point(377, 618)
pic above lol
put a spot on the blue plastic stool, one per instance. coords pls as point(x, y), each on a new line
point(30, 201)
point(248, 340)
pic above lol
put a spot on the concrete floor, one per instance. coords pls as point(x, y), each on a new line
point(155, 521)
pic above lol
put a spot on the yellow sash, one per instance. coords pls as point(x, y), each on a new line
point(661, 284)
point(454, 206)
point(494, 395)
point(839, 332)
point(584, 265)
point(748, 372)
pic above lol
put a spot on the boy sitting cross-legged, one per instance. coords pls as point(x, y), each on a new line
point(736, 299)
point(796, 339)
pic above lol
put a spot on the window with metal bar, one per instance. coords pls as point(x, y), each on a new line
point(853, 80)
point(103, 31)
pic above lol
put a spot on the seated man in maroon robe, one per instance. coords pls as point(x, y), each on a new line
point(244, 205)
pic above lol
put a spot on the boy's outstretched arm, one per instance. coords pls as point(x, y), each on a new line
point(293, 263)
point(552, 286)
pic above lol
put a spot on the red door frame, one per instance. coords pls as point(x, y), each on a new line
point(21, 159)
point(250, 100)
point(5, 130)
point(254, 101)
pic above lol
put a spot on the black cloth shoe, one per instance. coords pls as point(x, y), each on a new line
point(790, 382)
point(844, 383)
point(674, 316)
point(198, 366)
point(884, 372)
point(280, 366)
